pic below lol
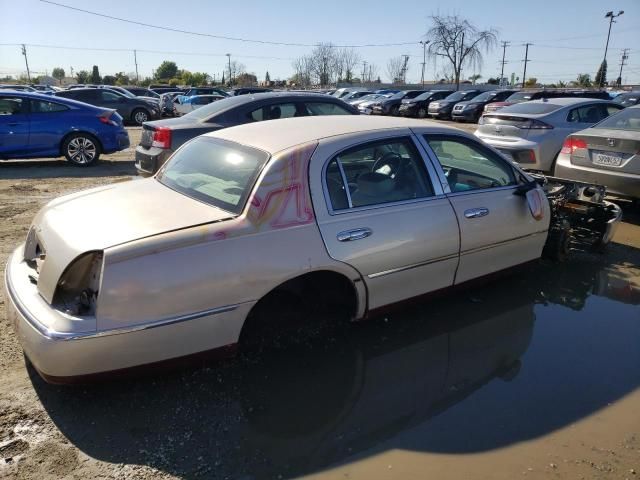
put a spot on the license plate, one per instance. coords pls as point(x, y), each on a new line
point(607, 159)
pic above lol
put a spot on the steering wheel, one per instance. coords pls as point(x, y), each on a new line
point(390, 159)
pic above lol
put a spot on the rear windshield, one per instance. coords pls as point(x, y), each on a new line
point(531, 108)
point(207, 111)
point(214, 171)
point(627, 119)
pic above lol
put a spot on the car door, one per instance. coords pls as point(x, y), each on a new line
point(117, 102)
point(497, 229)
point(379, 210)
point(48, 124)
point(14, 126)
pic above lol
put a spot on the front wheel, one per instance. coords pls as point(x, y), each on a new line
point(81, 149)
point(422, 112)
point(140, 116)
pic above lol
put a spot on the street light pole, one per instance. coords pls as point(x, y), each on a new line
point(229, 57)
point(424, 58)
point(610, 16)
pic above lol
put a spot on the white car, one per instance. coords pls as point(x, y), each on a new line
point(183, 105)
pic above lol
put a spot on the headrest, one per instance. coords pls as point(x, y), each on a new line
point(374, 184)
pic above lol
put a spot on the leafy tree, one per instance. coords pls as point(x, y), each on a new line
point(531, 82)
point(95, 75)
point(186, 76)
point(459, 42)
point(166, 70)
point(601, 76)
point(109, 80)
point(475, 77)
point(561, 84)
point(174, 82)
point(200, 79)
point(122, 79)
point(58, 74)
point(246, 79)
point(83, 76)
point(267, 78)
point(493, 81)
point(584, 80)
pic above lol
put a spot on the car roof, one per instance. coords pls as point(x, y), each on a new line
point(565, 101)
point(274, 136)
point(54, 98)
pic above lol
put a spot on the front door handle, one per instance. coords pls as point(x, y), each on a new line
point(476, 212)
point(355, 234)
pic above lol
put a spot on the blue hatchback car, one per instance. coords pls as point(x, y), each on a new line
point(33, 125)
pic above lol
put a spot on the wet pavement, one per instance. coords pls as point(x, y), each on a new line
point(475, 370)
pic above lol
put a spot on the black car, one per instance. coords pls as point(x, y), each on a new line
point(628, 99)
point(418, 106)
point(136, 110)
point(391, 105)
point(248, 90)
point(161, 138)
point(528, 95)
point(443, 108)
point(471, 110)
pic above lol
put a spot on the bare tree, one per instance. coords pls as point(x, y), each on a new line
point(372, 72)
point(394, 69)
point(349, 58)
point(323, 63)
point(460, 42)
point(302, 68)
point(236, 69)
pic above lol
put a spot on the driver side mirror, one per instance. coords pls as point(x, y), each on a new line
point(523, 188)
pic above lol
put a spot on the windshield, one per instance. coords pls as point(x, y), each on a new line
point(214, 171)
point(424, 96)
point(455, 96)
point(124, 92)
point(531, 108)
point(484, 97)
point(399, 95)
point(627, 99)
point(627, 119)
point(209, 110)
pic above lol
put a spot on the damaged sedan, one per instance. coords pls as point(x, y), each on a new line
point(353, 212)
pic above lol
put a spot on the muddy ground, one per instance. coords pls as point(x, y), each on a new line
point(534, 375)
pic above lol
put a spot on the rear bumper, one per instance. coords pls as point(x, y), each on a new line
point(618, 183)
point(115, 142)
point(520, 151)
point(149, 160)
point(60, 357)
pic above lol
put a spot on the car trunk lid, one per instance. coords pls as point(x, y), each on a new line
point(504, 127)
point(607, 149)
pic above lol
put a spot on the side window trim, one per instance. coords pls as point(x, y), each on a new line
point(437, 189)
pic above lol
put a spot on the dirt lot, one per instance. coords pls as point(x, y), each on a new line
point(532, 376)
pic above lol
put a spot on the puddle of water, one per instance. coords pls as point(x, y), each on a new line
point(473, 371)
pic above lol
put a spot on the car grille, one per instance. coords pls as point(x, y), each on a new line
point(458, 108)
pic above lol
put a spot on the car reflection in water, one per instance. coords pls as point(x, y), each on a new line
point(472, 371)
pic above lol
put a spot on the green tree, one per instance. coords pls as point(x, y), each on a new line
point(186, 76)
point(83, 76)
point(109, 80)
point(122, 79)
point(475, 77)
point(58, 74)
point(95, 75)
point(584, 80)
point(601, 76)
point(166, 70)
point(531, 82)
point(493, 81)
point(200, 78)
point(267, 79)
point(174, 82)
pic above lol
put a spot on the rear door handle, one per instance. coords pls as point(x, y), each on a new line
point(355, 234)
point(476, 212)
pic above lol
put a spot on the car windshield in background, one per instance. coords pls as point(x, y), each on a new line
point(423, 96)
point(531, 108)
point(627, 119)
point(399, 95)
point(455, 96)
point(483, 97)
point(627, 99)
point(520, 97)
point(214, 171)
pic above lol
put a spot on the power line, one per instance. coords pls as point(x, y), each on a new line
point(221, 37)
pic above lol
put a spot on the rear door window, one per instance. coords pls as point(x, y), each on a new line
point(322, 108)
point(39, 106)
point(274, 112)
point(586, 114)
point(11, 106)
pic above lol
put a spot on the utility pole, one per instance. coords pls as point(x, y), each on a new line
point(135, 60)
point(459, 72)
point(364, 71)
point(370, 73)
point(24, 52)
point(625, 56)
point(526, 60)
point(229, 57)
point(504, 51)
point(424, 58)
point(610, 16)
point(403, 72)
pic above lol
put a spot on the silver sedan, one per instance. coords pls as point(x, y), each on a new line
point(532, 133)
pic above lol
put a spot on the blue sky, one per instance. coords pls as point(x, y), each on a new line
point(568, 35)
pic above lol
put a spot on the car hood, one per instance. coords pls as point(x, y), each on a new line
point(103, 217)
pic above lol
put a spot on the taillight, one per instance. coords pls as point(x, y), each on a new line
point(161, 137)
point(106, 119)
point(571, 144)
point(537, 125)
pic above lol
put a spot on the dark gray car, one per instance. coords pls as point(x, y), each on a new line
point(161, 138)
point(136, 110)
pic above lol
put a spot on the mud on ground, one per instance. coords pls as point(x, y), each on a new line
point(536, 385)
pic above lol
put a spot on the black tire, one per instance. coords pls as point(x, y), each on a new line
point(422, 112)
point(395, 110)
point(139, 116)
point(81, 149)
